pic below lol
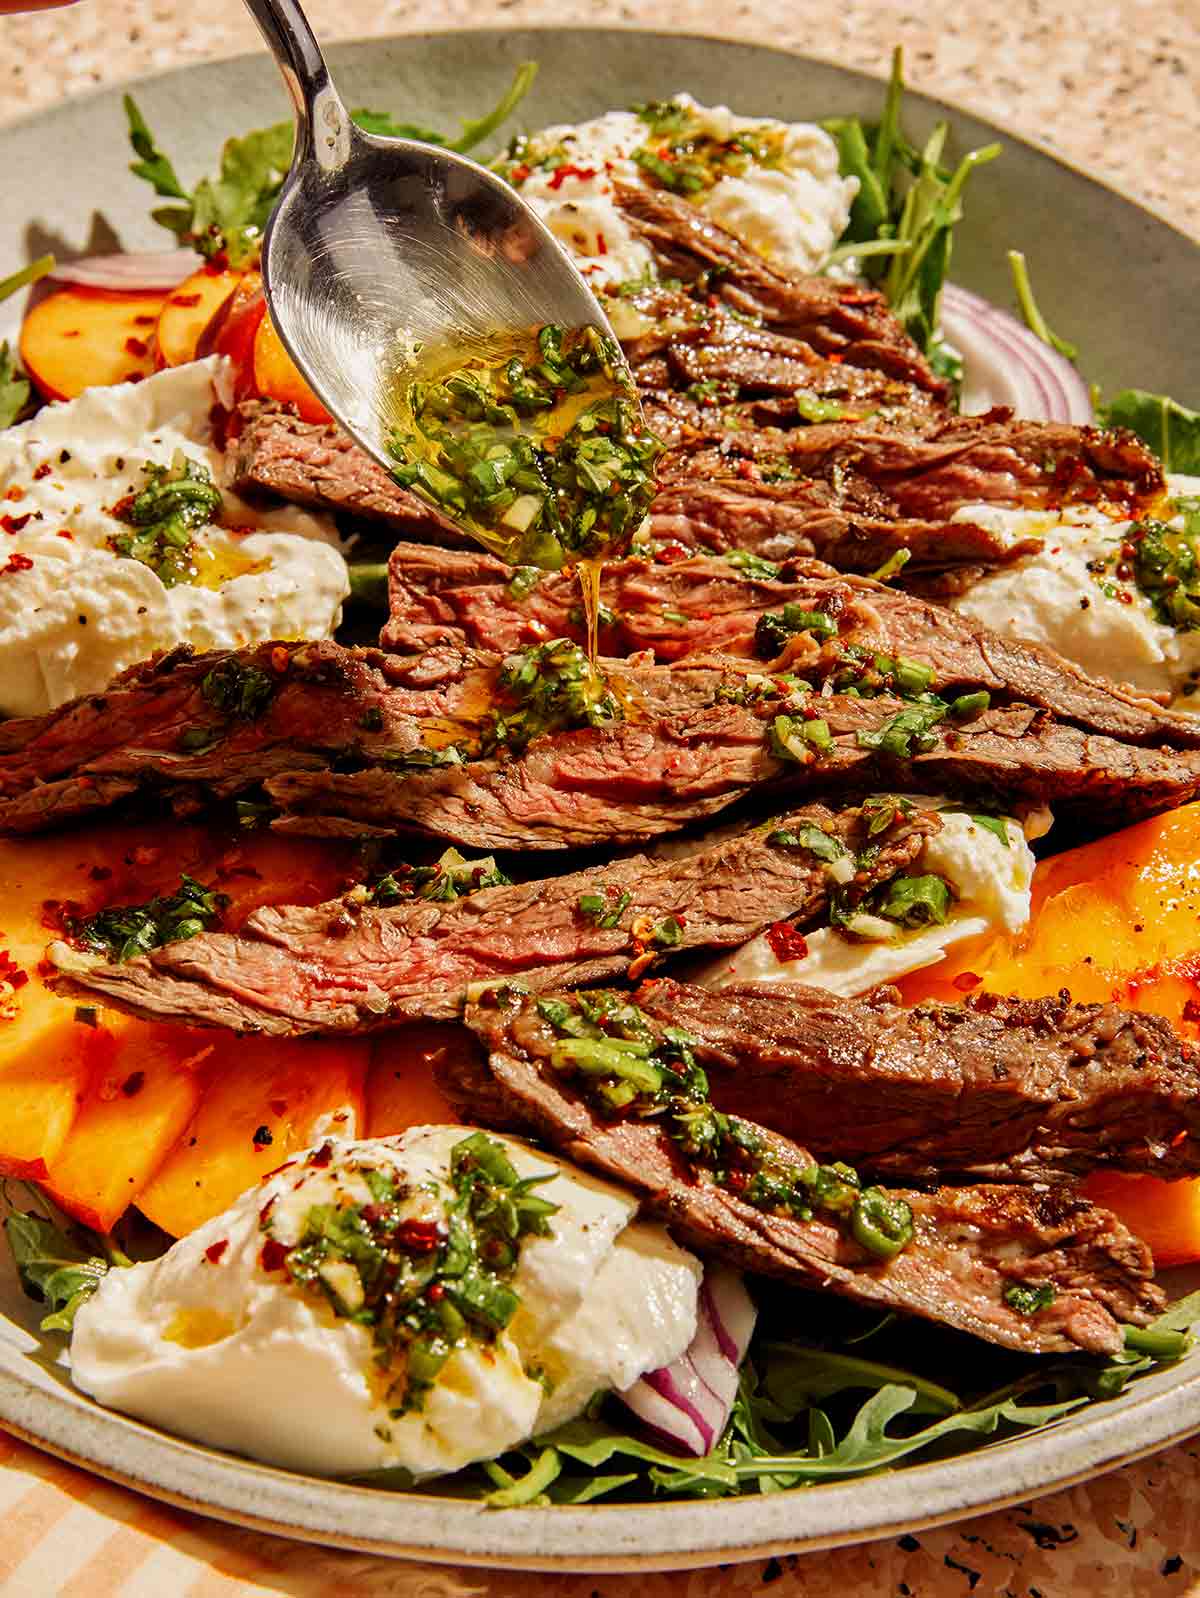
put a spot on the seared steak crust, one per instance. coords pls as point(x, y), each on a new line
point(918, 1094)
point(970, 1244)
point(350, 966)
point(349, 742)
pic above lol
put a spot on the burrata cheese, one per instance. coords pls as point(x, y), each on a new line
point(791, 209)
point(990, 881)
point(209, 1343)
point(73, 612)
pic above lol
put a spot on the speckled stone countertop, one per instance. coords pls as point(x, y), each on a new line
point(1113, 85)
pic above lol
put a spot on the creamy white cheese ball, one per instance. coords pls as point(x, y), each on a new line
point(792, 214)
point(73, 612)
point(1052, 598)
point(206, 1343)
point(991, 882)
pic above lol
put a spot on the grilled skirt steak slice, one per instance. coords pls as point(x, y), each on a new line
point(703, 605)
point(629, 783)
point(835, 318)
point(348, 966)
point(970, 1244)
point(311, 463)
point(354, 742)
point(914, 1095)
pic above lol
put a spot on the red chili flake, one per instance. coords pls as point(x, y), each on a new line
point(601, 244)
point(10, 972)
point(214, 1251)
point(420, 1237)
point(14, 524)
point(519, 173)
point(17, 563)
point(321, 1157)
point(133, 1084)
point(263, 1137)
point(43, 470)
point(65, 532)
point(786, 941)
point(272, 1256)
point(184, 299)
point(1191, 1010)
point(966, 980)
point(748, 471)
point(264, 1213)
point(72, 332)
point(137, 346)
point(279, 659)
point(561, 173)
point(14, 492)
point(436, 1293)
point(668, 554)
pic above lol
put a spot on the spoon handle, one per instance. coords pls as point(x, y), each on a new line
point(323, 125)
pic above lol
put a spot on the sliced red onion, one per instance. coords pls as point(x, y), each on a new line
point(1006, 364)
point(686, 1405)
point(146, 270)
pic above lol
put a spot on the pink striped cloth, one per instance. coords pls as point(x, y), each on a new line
point(67, 1534)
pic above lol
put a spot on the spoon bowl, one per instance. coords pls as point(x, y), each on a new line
point(381, 247)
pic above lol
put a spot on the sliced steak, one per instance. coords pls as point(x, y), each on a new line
point(835, 318)
point(312, 463)
point(941, 1089)
point(349, 966)
point(356, 742)
point(970, 1245)
point(702, 606)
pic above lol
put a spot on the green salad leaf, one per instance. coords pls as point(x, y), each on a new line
point(58, 1268)
point(225, 216)
point(903, 218)
point(15, 390)
point(1171, 430)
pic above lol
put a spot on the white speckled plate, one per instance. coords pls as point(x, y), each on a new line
point(1108, 273)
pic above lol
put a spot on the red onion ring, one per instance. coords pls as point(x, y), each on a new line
point(1006, 364)
point(145, 271)
point(686, 1405)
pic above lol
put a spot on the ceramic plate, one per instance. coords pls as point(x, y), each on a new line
point(1117, 279)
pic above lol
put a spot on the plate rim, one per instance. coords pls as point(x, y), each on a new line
point(1071, 1452)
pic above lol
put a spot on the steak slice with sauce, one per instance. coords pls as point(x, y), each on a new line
point(1012, 1086)
point(970, 1246)
point(836, 318)
point(350, 965)
point(277, 454)
point(704, 605)
point(355, 742)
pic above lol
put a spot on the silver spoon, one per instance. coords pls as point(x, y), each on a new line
point(380, 246)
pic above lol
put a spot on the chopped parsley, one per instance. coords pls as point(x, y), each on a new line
point(1029, 1300)
point(237, 690)
point(427, 1271)
point(604, 904)
point(543, 455)
point(775, 628)
point(452, 877)
point(546, 688)
point(752, 565)
point(682, 157)
point(125, 931)
point(815, 840)
point(162, 516)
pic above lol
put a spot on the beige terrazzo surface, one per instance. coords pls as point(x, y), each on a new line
point(1114, 86)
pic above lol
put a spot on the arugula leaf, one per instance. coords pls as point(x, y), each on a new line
point(903, 217)
point(14, 388)
point(52, 1267)
point(1170, 429)
point(26, 275)
point(227, 215)
point(1034, 319)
